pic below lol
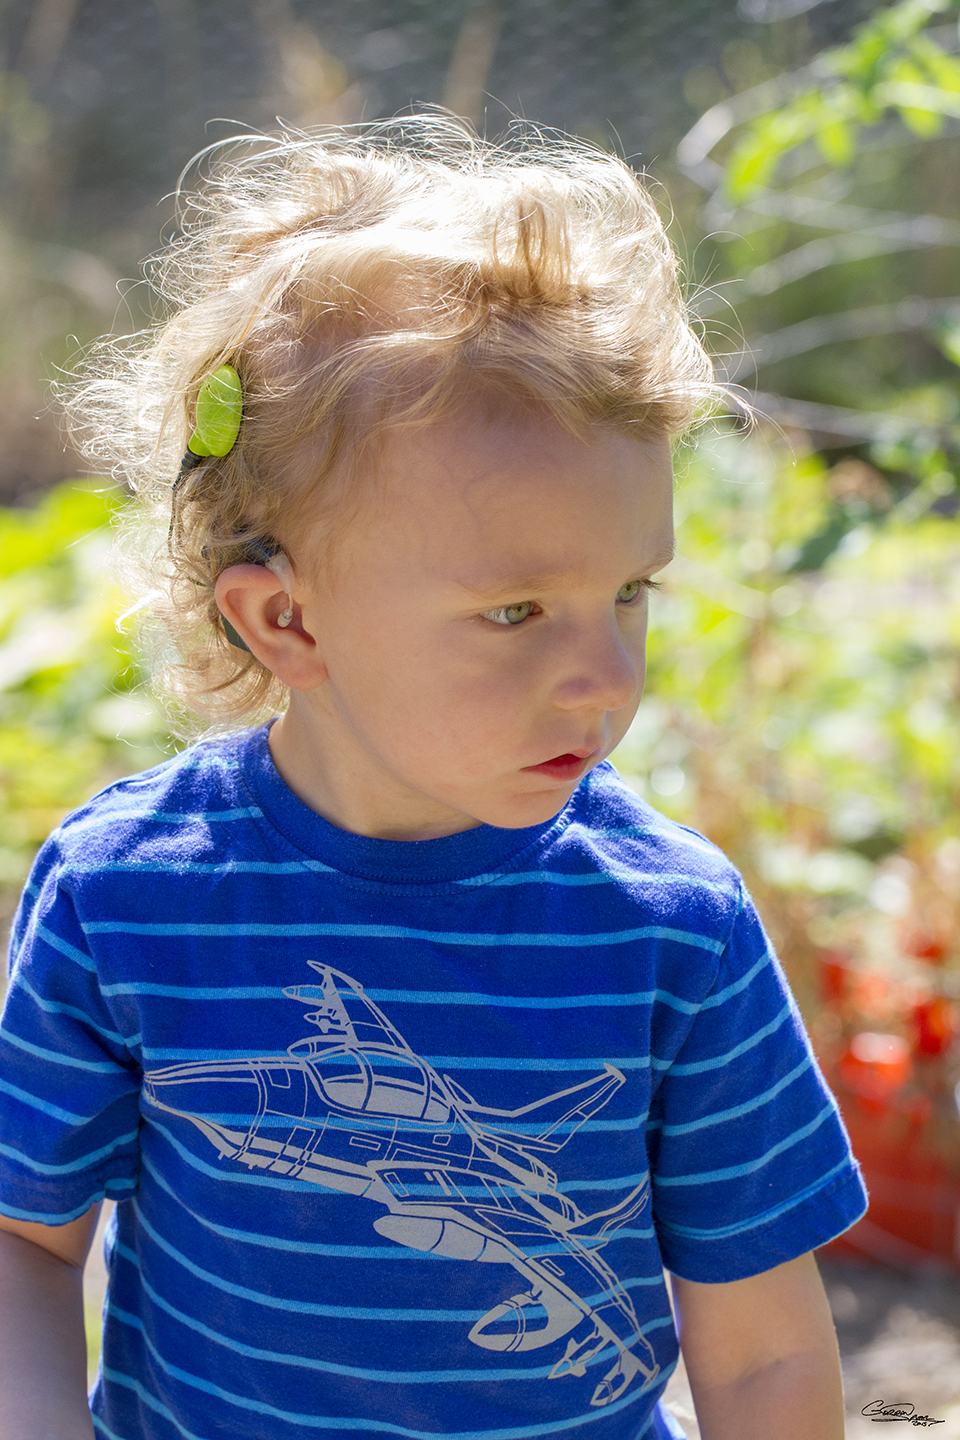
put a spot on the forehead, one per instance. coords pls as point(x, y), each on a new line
point(482, 499)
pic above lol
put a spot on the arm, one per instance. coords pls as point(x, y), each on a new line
point(761, 1355)
point(43, 1359)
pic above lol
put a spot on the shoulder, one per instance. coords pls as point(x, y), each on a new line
point(184, 796)
point(622, 818)
point(613, 829)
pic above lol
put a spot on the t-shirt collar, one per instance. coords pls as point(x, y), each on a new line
point(467, 855)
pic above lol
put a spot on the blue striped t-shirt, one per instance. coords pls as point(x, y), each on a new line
point(402, 1134)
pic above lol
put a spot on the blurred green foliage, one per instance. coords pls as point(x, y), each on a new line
point(804, 682)
point(73, 711)
point(802, 711)
point(889, 65)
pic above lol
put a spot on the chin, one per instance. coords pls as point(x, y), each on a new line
point(522, 811)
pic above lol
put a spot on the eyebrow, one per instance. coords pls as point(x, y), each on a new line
point(512, 584)
point(524, 584)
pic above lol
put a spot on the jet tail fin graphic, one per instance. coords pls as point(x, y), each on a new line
point(346, 1015)
point(567, 1108)
point(332, 1019)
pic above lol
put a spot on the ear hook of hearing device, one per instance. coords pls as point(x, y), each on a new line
point(277, 563)
point(281, 567)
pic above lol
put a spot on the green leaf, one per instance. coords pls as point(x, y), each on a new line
point(935, 66)
point(749, 168)
point(948, 338)
point(837, 142)
point(925, 123)
point(753, 162)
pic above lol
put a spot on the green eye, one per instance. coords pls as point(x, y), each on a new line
point(510, 614)
point(629, 592)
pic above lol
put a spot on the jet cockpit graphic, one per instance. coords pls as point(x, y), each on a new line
point(354, 1109)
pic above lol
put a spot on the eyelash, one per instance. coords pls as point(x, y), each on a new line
point(521, 604)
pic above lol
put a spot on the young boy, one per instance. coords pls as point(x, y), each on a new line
point(412, 1045)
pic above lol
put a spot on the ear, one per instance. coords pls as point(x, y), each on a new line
point(252, 598)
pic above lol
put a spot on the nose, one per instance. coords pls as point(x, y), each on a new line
point(601, 669)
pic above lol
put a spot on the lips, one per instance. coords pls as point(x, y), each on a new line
point(569, 766)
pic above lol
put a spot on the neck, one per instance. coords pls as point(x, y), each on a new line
point(326, 768)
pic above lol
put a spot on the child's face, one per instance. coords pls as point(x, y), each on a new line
point(480, 636)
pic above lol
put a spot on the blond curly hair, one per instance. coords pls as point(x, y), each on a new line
point(359, 279)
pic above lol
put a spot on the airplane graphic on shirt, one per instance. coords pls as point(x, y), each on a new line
point(356, 1110)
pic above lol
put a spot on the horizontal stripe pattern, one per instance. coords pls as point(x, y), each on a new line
point(324, 1074)
point(69, 1167)
point(470, 939)
point(329, 1422)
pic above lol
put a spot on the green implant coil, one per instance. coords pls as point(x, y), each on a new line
point(219, 412)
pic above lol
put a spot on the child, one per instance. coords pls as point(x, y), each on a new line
point(411, 1044)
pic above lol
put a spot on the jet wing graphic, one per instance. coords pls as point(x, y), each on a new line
point(565, 1108)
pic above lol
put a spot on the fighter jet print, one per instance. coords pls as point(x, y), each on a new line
point(354, 1109)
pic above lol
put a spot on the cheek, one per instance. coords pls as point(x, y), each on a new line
point(446, 702)
point(455, 699)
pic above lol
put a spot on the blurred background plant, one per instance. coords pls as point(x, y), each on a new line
point(802, 712)
point(74, 713)
point(803, 695)
point(802, 704)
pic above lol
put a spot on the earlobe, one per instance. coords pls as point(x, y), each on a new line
point(256, 603)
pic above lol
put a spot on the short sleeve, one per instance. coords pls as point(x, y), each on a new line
point(69, 1084)
point(750, 1161)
